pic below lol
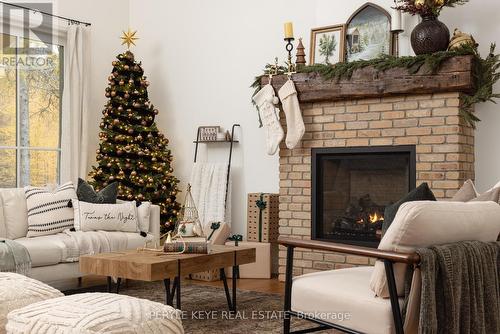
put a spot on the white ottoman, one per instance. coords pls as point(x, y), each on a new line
point(17, 291)
point(95, 313)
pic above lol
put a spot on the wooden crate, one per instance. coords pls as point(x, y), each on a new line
point(270, 218)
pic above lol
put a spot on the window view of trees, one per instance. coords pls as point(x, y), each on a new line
point(30, 104)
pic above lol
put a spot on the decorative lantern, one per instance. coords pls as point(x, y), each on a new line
point(189, 224)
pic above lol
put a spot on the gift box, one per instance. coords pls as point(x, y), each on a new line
point(219, 236)
point(217, 233)
point(263, 217)
point(259, 269)
point(206, 276)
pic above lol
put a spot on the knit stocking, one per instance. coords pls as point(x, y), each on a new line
point(294, 122)
point(266, 101)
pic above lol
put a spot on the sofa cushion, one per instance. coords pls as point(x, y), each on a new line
point(466, 193)
point(48, 211)
point(135, 240)
point(15, 212)
point(421, 193)
point(331, 295)
point(427, 223)
point(45, 250)
point(86, 193)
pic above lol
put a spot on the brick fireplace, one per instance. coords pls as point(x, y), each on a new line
point(373, 109)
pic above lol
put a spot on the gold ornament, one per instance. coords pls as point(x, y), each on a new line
point(129, 38)
point(439, 2)
point(460, 39)
point(419, 3)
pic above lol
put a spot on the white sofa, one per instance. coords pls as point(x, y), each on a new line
point(47, 252)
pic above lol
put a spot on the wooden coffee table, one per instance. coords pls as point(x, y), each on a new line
point(153, 266)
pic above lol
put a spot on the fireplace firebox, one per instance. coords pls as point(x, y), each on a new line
point(351, 188)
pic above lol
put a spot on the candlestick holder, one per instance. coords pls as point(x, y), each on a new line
point(289, 48)
point(395, 41)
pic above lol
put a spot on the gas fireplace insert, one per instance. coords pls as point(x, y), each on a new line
point(351, 188)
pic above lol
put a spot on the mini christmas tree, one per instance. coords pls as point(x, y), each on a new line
point(132, 151)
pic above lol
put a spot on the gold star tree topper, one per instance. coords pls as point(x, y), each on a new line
point(129, 38)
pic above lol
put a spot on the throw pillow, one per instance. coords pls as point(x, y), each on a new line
point(105, 217)
point(48, 211)
point(427, 223)
point(143, 213)
point(491, 195)
point(420, 193)
point(87, 193)
point(466, 193)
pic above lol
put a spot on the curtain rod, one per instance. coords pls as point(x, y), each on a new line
point(45, 13)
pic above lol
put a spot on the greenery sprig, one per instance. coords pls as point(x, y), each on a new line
point(486, 73)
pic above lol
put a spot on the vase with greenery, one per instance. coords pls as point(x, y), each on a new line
point(430, 35)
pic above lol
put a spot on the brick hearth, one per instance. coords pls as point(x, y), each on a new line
point(444, 146)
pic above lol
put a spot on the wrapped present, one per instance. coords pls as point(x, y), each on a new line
point(263, 217)
point(217, 233)
point(259, 269)
point(207, 276)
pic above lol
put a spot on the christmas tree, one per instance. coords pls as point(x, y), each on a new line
point(132, 151)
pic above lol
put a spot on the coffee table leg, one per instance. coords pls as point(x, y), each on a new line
point(178, 296)
point(231, 302)
point(109, 284)
point(118, 282)
point(170, 291)
point(235, 276)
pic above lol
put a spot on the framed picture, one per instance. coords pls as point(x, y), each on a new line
point(368, 33)
point(209, 133)
point(327, 45)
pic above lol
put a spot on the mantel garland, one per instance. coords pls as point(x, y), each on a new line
point(485, 72)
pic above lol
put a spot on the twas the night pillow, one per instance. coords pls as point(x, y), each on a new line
point(105, 217)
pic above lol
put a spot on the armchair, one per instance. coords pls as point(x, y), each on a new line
point(321, 296)
point(388, 258)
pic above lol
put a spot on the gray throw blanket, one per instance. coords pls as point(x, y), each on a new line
point(460, 288)
point(14, 257)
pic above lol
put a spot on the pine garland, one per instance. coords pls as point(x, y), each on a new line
point(486, 73)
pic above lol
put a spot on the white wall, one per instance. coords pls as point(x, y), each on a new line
point(480, 18)
point(108, 19)
point(201, 57)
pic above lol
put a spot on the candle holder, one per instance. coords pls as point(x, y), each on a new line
point(395, 41)
point(289, 48)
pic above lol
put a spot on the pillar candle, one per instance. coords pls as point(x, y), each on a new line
point(288, 30)
point(395, 20)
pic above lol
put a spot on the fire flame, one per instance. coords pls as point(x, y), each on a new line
point(375, 218)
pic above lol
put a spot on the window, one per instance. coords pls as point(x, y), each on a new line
point(31, 81)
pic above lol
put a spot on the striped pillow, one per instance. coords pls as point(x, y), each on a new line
point(48, 211)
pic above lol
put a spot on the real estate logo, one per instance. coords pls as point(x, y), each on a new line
point(27, 31)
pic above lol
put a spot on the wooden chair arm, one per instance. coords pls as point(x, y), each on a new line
point(412, 258)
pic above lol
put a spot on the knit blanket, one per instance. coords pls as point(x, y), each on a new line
point(209, 184)
point(460, 288)
point(14, 257)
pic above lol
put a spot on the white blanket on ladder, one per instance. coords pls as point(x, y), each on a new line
point(208, 187)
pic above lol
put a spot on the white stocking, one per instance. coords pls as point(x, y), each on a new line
point(266, 102)
point(294, 122)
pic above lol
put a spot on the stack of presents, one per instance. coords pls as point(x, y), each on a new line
point(262, 234)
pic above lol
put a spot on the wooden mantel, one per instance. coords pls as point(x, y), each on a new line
point(455, 75)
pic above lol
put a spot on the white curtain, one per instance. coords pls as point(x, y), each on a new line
point(74, 139)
